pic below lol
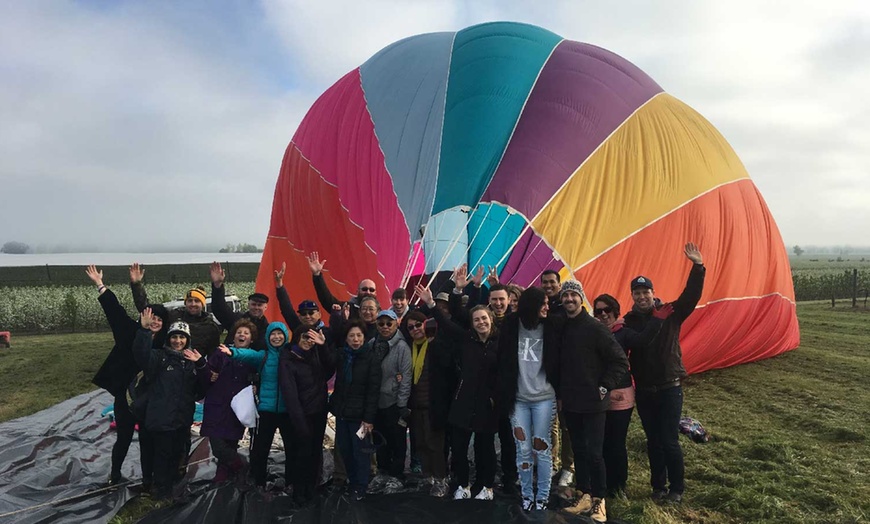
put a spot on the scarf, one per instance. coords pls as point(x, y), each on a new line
point(418, 358)
point(298, 351)
point(350, 355)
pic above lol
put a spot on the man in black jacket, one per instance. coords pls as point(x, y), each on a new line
point(591, 363)
point(658, 369)
point(256, 313)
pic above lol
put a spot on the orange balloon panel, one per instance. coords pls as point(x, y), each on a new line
point(746, 264)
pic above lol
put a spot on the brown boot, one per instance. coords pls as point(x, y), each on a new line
point(599, 512)
point(583, 505)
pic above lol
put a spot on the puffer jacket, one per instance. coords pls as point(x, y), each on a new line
point(218, 418)
point(271, 399)
point(396, 369)
point(356, 397)
point(303, 376)
point(173, 386)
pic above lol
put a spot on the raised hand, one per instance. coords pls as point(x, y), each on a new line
point(95, 275)
point(477, 279)
point(492, 277)
point(146, 317)
point(345, 310)
point(192, 355)
point(316, 337)
point(425, 295)
point(279, 275)
point(693, 253)
point(225, 350)
point(315, 264)
point(460, 276)
point(217, 274)
point(137, 273)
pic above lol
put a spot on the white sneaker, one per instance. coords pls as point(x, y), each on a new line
point(462, 493)
point(485, 494)
point(566, 478)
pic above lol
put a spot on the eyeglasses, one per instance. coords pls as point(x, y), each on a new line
point(599, 310)
point(369, 289)
point(307, 312)
point(415, 325)
point(385, 323)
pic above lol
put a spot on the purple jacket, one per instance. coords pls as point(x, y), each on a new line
point(218, 418)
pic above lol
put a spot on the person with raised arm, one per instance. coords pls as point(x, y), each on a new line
point(256, 313)
point(173, 389)
point(205, 330)
point(271, 407)
point(472, 412)
point(120, 368)
point(658, 369)
point(306, 316)
point(366, 288)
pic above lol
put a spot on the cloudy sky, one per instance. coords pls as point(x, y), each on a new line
point(126, 124)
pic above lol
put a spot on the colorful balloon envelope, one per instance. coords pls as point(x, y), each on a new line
point(507, 146)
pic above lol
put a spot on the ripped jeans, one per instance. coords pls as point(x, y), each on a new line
point(533, 424)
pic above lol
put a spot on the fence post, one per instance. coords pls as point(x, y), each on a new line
point(855, 288)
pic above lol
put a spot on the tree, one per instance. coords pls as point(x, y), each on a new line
point(798, 250)
point(240, 248)
point(15, 248)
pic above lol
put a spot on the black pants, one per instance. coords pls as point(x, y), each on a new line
point(587, 439)
point(356, 463)
point(306, 454)
point(508, 451)
point(146, 456)
point(391, 457)
point(125, 425)
point(169, 454)
point(268, 424)
point(226, 451)
point(660, 415)
point(615, 455)
point(484, 457)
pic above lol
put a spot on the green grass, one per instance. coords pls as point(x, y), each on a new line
point(790, 435)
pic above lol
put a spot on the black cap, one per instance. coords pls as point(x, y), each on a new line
point(259, 297)
point(641, 282)
point(308, 305)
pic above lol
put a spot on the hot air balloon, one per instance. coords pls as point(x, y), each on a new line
point(505, 145)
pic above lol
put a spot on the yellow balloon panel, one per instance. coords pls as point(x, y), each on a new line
point(663, 156)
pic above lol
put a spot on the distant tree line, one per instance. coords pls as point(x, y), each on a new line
point(240, 248)
point(15, 248)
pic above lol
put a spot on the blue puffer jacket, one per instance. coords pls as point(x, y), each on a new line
point(270, 392)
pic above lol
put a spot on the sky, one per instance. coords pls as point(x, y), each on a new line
point(133, 125)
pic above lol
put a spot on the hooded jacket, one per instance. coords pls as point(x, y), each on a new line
point(271, 399)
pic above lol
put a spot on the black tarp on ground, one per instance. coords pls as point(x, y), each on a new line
point(54, 464)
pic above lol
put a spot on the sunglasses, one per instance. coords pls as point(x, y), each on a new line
point(599, 310)
point(369, 289)
point(307, 312)
point(415, 325)
point(385, 323)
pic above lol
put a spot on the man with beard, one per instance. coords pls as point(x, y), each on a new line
point(657, 369)
point(591, 363)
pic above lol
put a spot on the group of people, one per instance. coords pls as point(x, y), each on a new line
point(471, 362)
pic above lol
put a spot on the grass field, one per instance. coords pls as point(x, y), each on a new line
point(790, 435)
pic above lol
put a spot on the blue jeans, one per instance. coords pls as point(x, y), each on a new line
point(535, 420)
point(660, 415)
point(355, 461)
